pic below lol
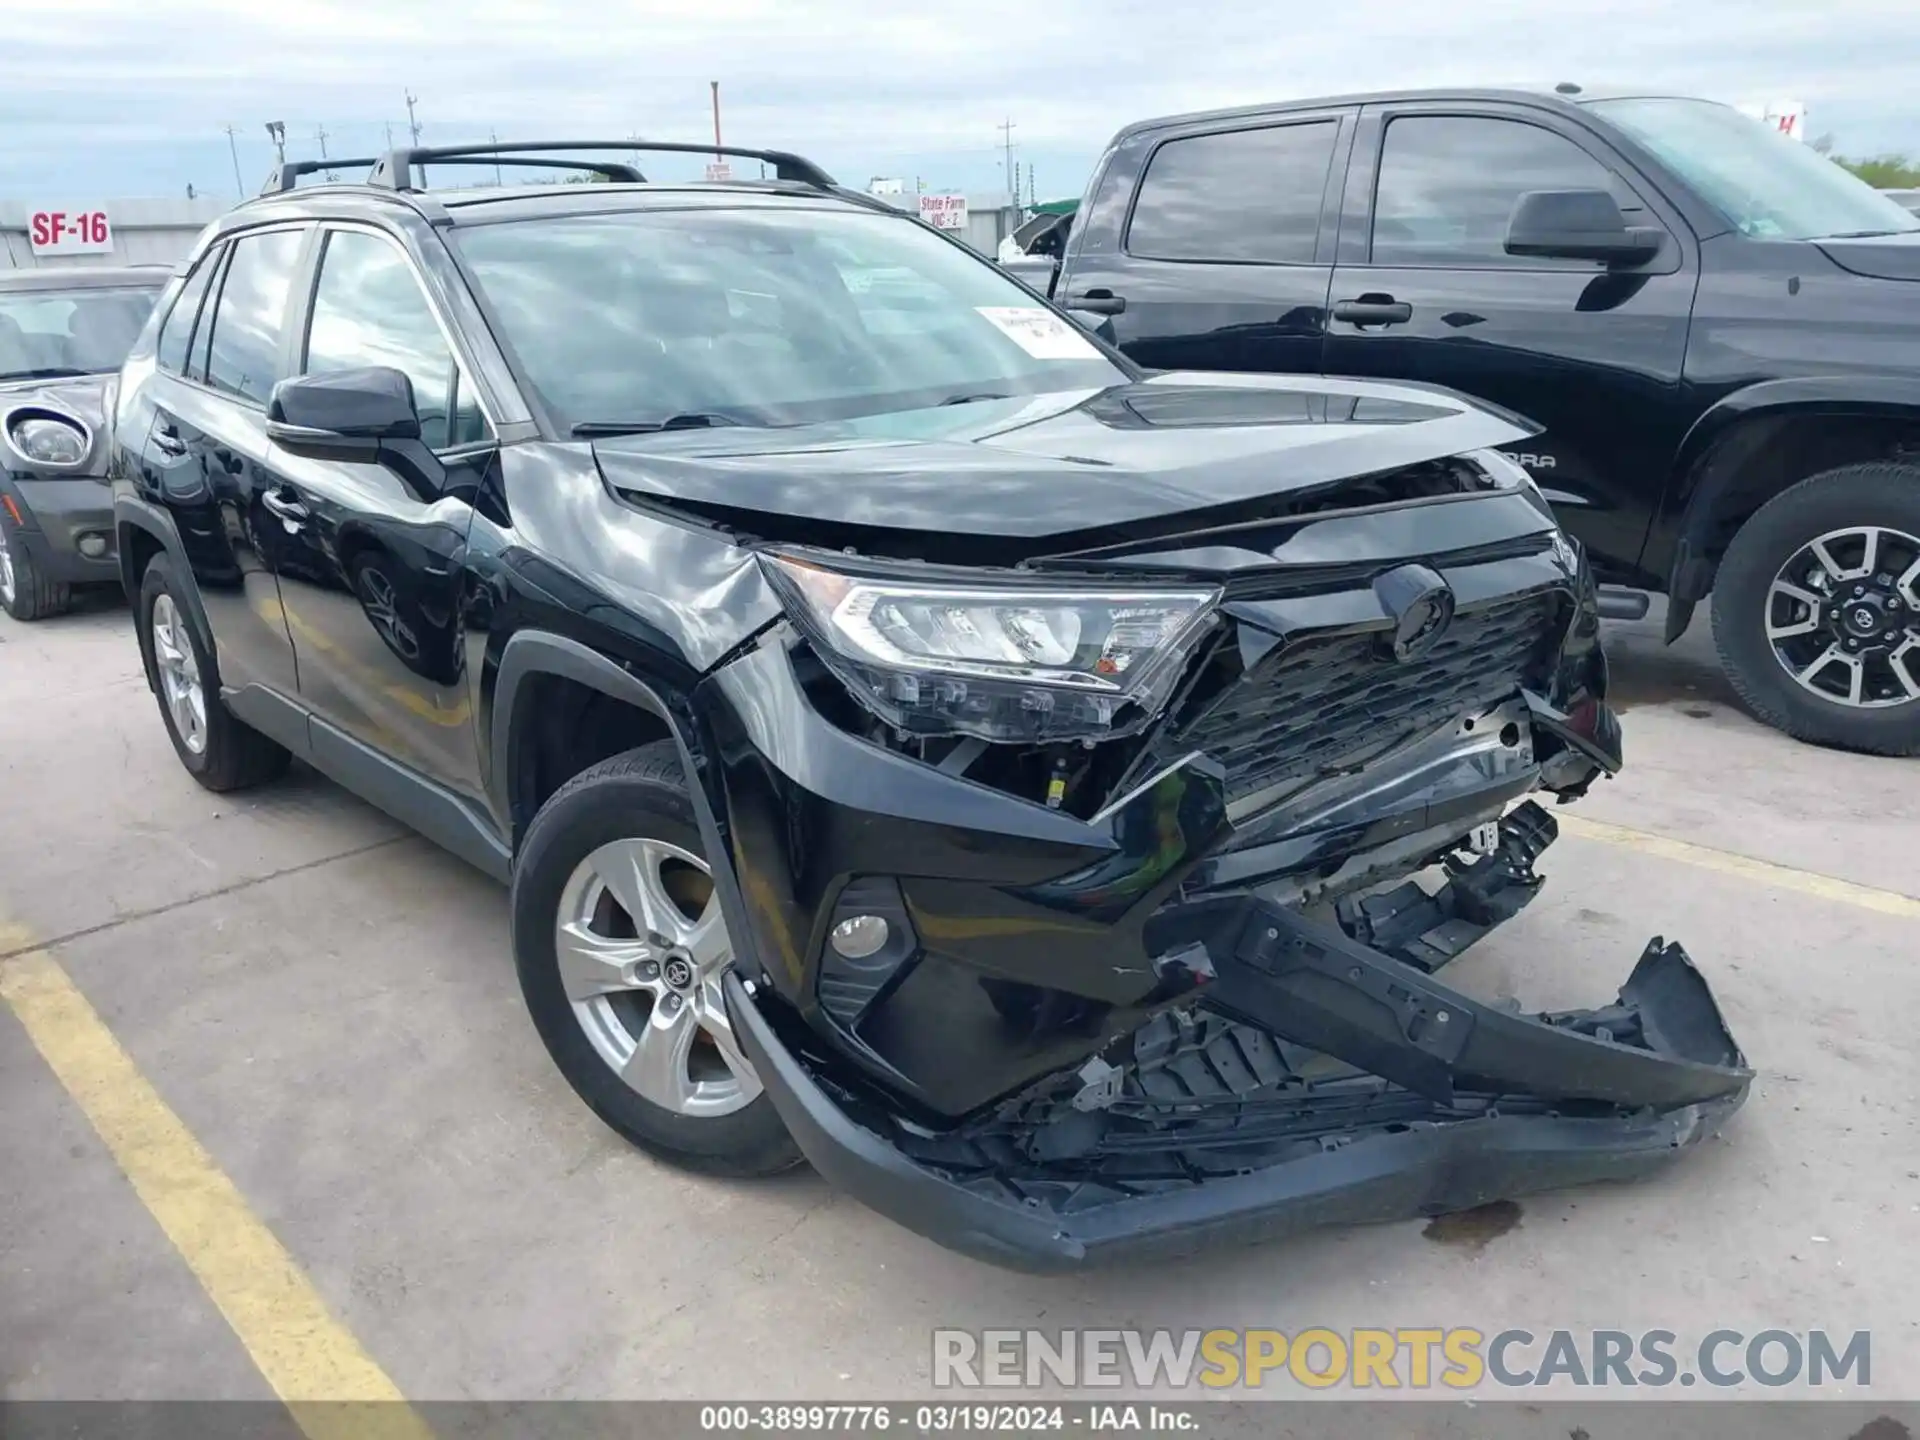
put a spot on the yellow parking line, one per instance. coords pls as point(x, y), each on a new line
point(311, 1360)
point(1726, 862)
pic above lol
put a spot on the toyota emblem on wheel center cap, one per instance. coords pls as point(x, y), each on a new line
point(678, 972)
point(1420, 603)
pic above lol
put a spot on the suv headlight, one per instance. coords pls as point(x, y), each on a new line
point(48, 440)
point(1027, 663)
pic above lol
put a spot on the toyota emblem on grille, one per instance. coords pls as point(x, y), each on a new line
point(1420, 604)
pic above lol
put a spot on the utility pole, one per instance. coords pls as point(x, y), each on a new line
point(320, 134)
point(717, 158)
point(1013, 183)
point(233, 148)
point(412, 123)
point(494, 136)
point(389, 125)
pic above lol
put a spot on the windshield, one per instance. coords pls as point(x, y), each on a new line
point(69, 332)
point(762, 317)
point(1771, 187)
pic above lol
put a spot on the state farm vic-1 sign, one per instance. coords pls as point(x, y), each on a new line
point(69, 232)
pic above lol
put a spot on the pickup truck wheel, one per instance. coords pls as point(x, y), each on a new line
point(1816, 609)
point(620, 944)
point(25, 593)
point(217, 748)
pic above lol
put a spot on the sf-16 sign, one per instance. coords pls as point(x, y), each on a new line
point(69, 232)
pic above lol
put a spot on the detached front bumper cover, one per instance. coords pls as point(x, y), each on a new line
point(1487, 1104)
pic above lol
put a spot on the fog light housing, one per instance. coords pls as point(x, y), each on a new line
point(869, 943)
point(93, 545)
point(859, 936)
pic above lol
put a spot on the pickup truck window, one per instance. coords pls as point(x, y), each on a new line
point(1769, 186)
point(1448, 185)
point(1242, 196)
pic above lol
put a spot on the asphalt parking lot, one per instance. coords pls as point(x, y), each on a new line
point(325, 1011)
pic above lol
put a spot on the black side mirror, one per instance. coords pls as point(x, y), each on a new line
point(343, 416)
point(1578, 225)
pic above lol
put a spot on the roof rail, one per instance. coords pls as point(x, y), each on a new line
point(396, 170)
point(285, 176)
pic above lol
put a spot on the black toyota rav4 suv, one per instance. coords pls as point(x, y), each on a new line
point(917, 739)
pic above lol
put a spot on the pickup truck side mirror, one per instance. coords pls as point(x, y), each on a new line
point(343, 416)
point(1577, 225)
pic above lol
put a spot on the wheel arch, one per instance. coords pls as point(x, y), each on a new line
point(142, 531)
point(1753, 444)
point(531, 657)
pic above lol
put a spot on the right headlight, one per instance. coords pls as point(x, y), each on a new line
point(1033, 663)
point(48, 439)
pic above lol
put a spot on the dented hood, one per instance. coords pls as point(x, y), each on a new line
point(1057, 465)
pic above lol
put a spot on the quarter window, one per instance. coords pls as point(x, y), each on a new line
point(176, 334)
point(1448, 185)
point(243, 350)
point(368, 309)
point(1251, 196)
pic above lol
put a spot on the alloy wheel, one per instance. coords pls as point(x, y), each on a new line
point(384, 611)
point(642, 946)
point(7, 581)
point(180, 687)
point(1843, 617)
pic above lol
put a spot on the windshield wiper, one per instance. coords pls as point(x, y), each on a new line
point(689, 420)
point(1863, 234)
point(47, 372)
point(969, 398)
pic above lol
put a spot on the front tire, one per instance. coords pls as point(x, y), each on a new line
point(1816, 609)
point(620, 944)
point(25, 593)
point(217, 749)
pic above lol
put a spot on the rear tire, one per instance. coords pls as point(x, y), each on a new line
point(1777, 557)
point(217, 749)
point(25, 593)
point(614, 857)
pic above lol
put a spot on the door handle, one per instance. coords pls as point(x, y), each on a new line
point(289, 511)
point(167, 440)
point(1098, 302)
point(1373, 310)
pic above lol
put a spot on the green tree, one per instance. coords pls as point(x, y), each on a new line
point(1885, 172)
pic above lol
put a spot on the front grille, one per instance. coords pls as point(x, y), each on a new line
point(1324, 705)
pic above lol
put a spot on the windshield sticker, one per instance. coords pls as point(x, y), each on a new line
point(1040, 333)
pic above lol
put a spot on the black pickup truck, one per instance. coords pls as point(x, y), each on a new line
point(1716, 329)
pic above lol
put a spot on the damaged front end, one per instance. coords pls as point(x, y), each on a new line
point(1131, 968)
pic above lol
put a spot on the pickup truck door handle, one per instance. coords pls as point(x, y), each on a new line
point(1373, 310)
point(1098, 302)
point(290, 511)
point(167, 440)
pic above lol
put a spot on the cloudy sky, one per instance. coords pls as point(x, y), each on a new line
point(112, 98)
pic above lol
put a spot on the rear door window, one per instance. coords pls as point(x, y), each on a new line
point(1241, 196)
point(249, 319)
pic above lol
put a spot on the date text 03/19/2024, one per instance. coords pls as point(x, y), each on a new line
point(980, 1418)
